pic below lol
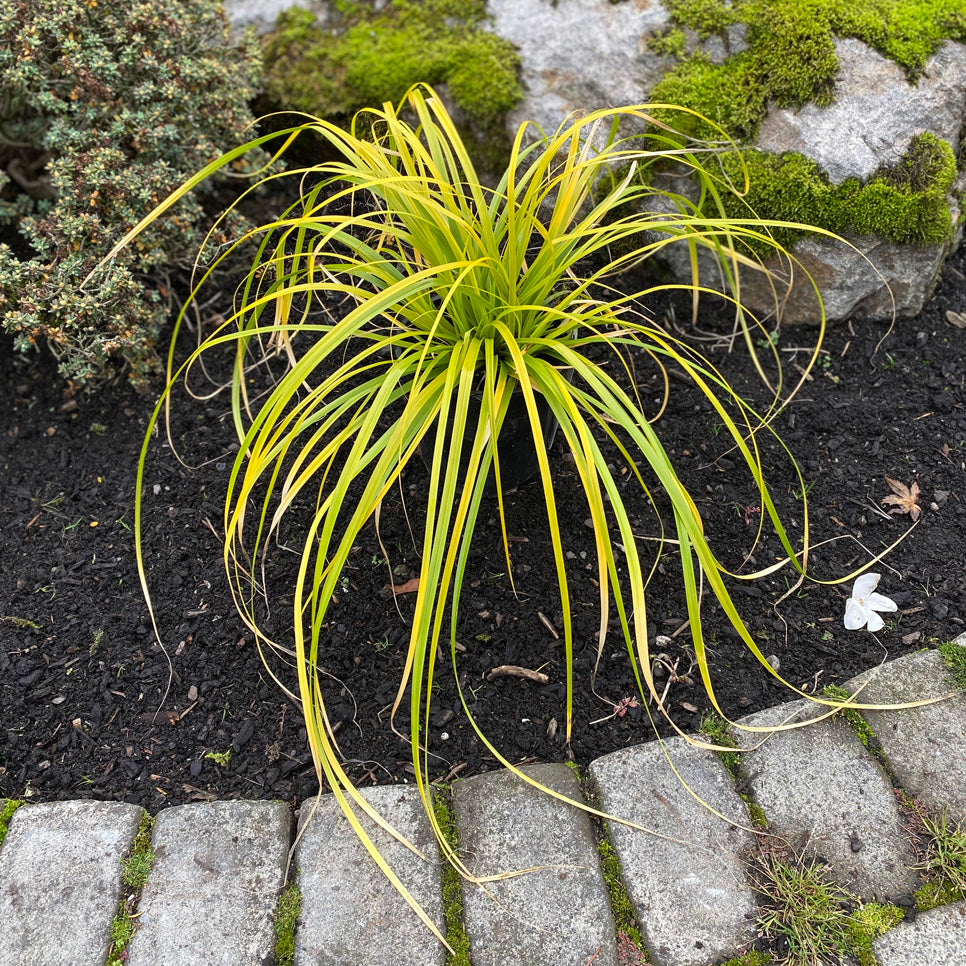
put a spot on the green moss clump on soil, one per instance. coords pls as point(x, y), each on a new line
point(377, 57)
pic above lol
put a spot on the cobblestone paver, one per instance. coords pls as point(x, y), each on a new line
point(826, 795)
point(351, 913)
point(934, 938)
point(557, 915)
point(211, 895)
point(921, 744)
point(686, 881)
point(60, 881)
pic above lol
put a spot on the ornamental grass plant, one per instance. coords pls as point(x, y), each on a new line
point(411, 304)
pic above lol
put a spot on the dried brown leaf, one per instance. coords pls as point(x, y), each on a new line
point(903, 499)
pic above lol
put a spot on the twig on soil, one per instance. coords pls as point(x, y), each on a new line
point(546, 623)
point(512, 670)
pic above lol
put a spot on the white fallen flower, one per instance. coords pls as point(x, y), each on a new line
point(861, 607)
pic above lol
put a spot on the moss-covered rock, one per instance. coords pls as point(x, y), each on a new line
point(365, 56)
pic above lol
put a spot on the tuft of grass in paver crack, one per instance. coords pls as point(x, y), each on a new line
point(942, 845)
point(452, 884)
point(286, 918)
point(6, 813)
point(134, 874)
point(815, 920)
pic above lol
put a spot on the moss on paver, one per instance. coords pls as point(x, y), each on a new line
point(135, 868)
point(625, 922)
point(954, 657)
point(631, 948)
point(863, 730)
point(287, 910)
point(452, 884)
point(751, 958)
point(715, 728)
point(869, 922)
point(6, 813)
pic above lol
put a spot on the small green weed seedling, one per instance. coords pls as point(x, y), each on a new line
point(222, 758)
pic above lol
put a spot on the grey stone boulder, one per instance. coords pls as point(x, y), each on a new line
point(876, 112)
point(868, 128)
point(580, 55)
point(260, 14)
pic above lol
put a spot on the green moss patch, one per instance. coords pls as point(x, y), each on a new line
point(790, 58)
point(810, 917)
point(906, 204)
point(630, 942)
point(377, 57)
point(625, 923)
point(954, 657)
point(6, 813)
point(135, 868)
point(715, 728)
point(751, 958)
point(452, 885)
point(287, 911)
point(868, 922)
point(944, 865)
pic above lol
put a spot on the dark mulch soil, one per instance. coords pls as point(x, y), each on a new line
point(85, 704)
